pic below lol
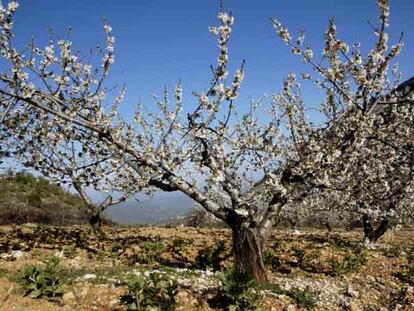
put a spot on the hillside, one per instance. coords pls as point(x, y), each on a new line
point(26, 198)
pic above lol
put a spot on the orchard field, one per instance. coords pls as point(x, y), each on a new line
point(189, 267)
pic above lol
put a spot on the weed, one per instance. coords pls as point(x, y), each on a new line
point(179, 243)
point(299, 254)
point(69, 250)
point(37, 253)
point(211, 256)
point(238, 292)
point(354, 261)
point(271, 260)
point(42, 282)
point(303, 298)
point(3, 272)
point(410, 255)
point(145, 293)
point(336, 267)
point(151, 252)
point(114, 249)
point(394, 251)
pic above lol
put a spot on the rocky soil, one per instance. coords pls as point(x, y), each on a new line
point(332, 269)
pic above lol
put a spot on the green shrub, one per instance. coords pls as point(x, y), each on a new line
point(151, 252)
point(145, 293)
point(394, 251)
point(303, 298)
point(410, 255)
point(271, 260)
point(41, 282)
point(299, 254)
point(179, 243)
point(211, 256)
point(69, 250)
point(37, 253)
point(238, 292)
point(114, 249)
point(354, 261)
point(336, 267)
point(3, 272)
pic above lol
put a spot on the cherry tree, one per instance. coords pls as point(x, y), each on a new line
point(242, 168)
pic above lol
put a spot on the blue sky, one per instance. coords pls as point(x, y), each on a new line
point(161, 41)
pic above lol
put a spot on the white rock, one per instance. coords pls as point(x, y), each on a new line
point(89, 276)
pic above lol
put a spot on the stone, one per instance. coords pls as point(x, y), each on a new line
point(290, 308)
point(68, 297)
point(353, 307)
point(89, 276)
point(352, 292)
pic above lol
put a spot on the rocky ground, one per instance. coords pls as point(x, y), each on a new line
point(309, 269)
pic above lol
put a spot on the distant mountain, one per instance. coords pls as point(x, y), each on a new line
point(150, 210)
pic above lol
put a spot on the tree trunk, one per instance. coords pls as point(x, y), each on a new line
point(247, 251)
point(371, 235)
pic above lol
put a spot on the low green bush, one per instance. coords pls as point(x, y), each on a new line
point(39, 282)
point(145, 293)
point(211, 257)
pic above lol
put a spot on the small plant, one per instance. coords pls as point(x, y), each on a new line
point(410, 255)
point(238, 292)
point(394, 251)
point(69, 251)
point(145, 293)
point(299, 254)
point(3, 272)
point(37, 253)
point(303, 298)
point(179, 243)
point(211, 257)
point(114, 249)
point(42, 282)
point(271, 260)
point(354, 261)
point(336, 266)
point(151, 252)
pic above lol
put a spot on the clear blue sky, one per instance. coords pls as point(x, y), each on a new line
point(161, 41)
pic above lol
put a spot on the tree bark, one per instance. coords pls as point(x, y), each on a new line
point(372, 234)
point(247, 251)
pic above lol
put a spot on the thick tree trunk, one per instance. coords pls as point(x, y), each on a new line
point(247, 251)
point(371, 235)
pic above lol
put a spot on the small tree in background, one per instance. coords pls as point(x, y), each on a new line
point(238, 167)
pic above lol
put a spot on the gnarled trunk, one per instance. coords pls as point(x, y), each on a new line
point(371, 234)
point(247, 251)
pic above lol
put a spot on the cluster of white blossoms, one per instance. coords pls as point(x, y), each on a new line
point(242, 167)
